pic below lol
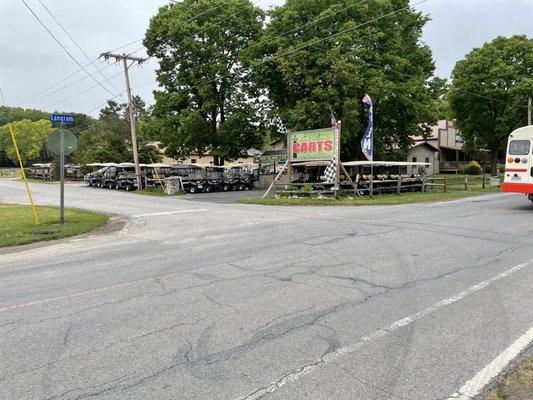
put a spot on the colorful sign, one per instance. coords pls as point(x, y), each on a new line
point(313, 145)
point(273, 159)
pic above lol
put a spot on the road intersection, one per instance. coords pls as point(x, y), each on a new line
point(203, 300)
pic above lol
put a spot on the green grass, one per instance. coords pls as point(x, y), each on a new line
point(17, 225)
point(517, 385)
point(382, 199)
point(457, 182)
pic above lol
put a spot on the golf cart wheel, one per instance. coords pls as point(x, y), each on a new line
point(128, 188)
point(225, 188)
point(241, 187)
point(208, 189)
point(192, 189)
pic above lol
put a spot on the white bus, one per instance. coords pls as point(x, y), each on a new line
point(519, 162)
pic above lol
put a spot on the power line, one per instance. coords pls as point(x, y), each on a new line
point(81, 92)
point(34, 99)
point(64, 48)
point(2, 95)
point(42, 92)
point(77, 45)
point(82, 68)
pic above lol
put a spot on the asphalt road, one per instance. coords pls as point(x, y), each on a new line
point(198, 300)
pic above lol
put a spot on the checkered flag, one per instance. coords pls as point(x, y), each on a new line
point(280, 126)
point(331, 171)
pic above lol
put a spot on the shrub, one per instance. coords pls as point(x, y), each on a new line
point(471, 168)
point(500, 167)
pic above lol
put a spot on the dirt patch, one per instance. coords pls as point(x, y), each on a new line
point(518, 385)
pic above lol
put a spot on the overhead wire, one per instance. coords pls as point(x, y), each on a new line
point(64, 48)
point(76, 44)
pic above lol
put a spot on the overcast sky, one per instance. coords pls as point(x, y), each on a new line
point(31, 61)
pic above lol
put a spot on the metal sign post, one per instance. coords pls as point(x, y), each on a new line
point(57, 143)
point(62, 176)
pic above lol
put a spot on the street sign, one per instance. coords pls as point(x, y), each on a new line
point(62, 119)
point(54, 142)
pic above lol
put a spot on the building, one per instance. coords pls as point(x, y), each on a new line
point(443, 149)
point(208, 159)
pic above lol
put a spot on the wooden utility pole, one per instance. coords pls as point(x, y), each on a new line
point(125, 58)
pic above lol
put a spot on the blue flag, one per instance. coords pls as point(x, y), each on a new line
point(367, 142)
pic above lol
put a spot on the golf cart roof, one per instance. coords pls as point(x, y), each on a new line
point(317, 163)
point(385, 163)
point(184, 166)
point(101, 165)
point(157, 165)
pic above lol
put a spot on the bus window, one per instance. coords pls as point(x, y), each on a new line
point(519, 147)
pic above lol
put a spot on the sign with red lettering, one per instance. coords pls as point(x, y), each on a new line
point(312, 145)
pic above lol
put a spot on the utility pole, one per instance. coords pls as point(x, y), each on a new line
point(125, 58)
point(529, 111)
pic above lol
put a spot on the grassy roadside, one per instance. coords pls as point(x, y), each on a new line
point(516, 386)
point(382, 199)
point(17, 225)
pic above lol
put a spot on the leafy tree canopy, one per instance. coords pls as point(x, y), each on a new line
point(13, 114)
point(321, 54)
point(109, 138)
point(489, 92)
point(208, 100)
point(30, 137)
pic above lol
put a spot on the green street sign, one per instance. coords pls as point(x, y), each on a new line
point(54, 141)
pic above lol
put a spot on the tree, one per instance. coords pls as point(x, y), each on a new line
point(30, 137)
point(327, 54)
point(438, 90)
point(489, 93)
point(208, 101)
point(109, 138)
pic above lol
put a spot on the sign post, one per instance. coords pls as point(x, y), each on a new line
point(62, 142)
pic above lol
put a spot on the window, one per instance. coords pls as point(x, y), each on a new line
point(519, 147)
point(414, 159)
point(427, 160)
point(193, 160)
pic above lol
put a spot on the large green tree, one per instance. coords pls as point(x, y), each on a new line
point(489, 92)
point(316, 55)
point(109, 138)
point(207, 100)
point(30, 137)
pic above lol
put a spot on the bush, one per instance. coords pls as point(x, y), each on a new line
point(499, 167)
point(471, 168)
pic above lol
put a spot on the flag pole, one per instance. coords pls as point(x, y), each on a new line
point(338, 155)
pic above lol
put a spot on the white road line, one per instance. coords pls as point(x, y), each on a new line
point(326, 359)
point(169, 213)
point(475, 385)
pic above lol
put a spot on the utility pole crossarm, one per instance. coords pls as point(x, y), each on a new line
point(118, 57)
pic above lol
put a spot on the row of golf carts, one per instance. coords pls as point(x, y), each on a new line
point(192, 178)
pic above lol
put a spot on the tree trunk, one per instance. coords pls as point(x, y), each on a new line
point(494, 163)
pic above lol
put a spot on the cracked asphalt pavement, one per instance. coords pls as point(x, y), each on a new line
point(201, 300)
